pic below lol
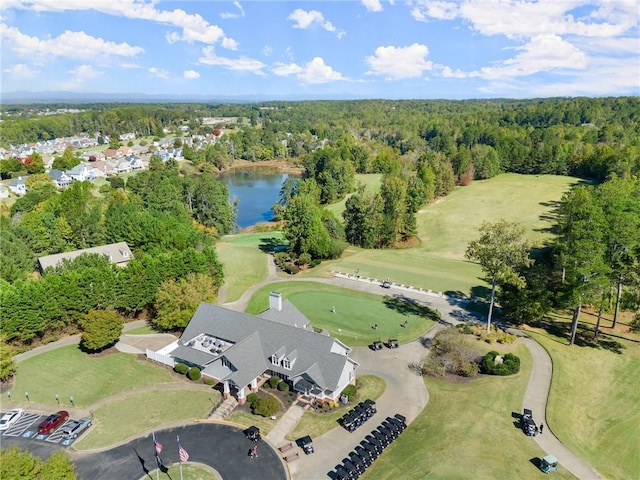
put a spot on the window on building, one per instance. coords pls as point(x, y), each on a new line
point(275, 360)
point(286, 363)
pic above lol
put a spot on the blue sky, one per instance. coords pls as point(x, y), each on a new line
point(348, 49)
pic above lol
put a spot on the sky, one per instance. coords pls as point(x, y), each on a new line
point(414, 49)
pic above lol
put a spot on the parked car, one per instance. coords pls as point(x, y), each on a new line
point(53, 421)
point(10, 418)
point(76, 427)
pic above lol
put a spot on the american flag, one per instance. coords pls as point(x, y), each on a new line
point(157, 444)
point(184, 456)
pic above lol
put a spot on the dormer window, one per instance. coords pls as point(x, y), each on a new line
point(275, 360)
point(286, 363)
point(125, 253)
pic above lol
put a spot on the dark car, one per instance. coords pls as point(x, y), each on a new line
point(52, 422)
point(392, 343)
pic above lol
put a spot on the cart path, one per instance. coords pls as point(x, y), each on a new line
point(536, 398)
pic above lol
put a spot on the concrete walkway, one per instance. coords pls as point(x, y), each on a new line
point(285, 425)
point(535, 398)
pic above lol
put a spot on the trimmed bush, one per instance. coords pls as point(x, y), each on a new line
point(181, 368)
point(283, 386)
point(265, 406)
point(252, 397)
point(274, 381)
point(495, 364)
point(209, 381)
point(349, 391)
point(194, 374)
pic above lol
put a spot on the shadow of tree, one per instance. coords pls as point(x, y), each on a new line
point(409, 306)
point(272, 244)
point(584, 335)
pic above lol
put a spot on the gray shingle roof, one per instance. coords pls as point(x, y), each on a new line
point(117, 253)
point(289, 315)
point(256, 339)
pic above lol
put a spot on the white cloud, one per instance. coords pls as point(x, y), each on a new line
point(242, 64)
point(158, 72)
point(84, 72)
point(543, 53)
point(229, 43)
point(434, 9)
point(21, 70)
point(372, 5)
point(228, 15)
point(304, 19)
point(193, 27)
point(400, 62)
point(315, 71)
point(191, 74)
point(69, 44)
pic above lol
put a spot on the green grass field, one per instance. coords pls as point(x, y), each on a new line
point(355, 312)
point(68, 371)
point(121, 419)
point(244, 263)
point(466, 431)
point(594, 401)
point(446, 227)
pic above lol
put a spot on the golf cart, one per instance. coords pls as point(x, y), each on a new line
point(392, 343)
point(549, 464)
point(528, 425)
point(305, 444)
point(253, 433)
point(376, 345)
point(386, 284)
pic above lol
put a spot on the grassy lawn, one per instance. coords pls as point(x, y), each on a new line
point(371, 183)
point(355, 312)
point(145, 330)
point(122, 418)
point(593, 406)
point(244, 263)
point(189, 472)
point(247, 419)
point(317, 424)
point(68, 371)
point(446, 227)
point(466, 431)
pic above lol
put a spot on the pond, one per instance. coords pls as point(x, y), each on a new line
point(256, 190)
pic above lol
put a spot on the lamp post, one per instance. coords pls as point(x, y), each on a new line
point(26, 394)
point(71, 400)
point(9, 395)
point(58, 398)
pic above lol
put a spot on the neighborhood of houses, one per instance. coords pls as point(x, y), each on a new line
point(98, 163)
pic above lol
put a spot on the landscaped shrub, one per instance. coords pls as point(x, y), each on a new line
point(495, 364)
point(349, 391)
point(181, 368)
point(209, 381)
point(194, 374)
point(274, 381)
point(265, 406)
point(283, 386)
point(252, 397)
point(315, 262)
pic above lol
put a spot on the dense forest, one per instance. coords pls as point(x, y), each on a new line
point(171, 215)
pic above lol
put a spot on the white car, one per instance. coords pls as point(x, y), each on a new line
point(10, 418)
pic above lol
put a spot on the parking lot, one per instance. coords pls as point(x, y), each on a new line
point(26, 428)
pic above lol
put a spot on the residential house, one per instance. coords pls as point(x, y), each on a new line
point(60, 178)
point(18, 186)
point(135, 162)
point(121, 166)
point(107, 168)
point(118, 253)
point(84, 171)
point(238, 349)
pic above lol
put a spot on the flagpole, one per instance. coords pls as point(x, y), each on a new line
point(155, 448)
point(179, 457)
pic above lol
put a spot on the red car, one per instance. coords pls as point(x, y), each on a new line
point(53, 421)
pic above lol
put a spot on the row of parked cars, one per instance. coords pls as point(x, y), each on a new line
point(47, 426)
point(358, 415)
point(365, 453)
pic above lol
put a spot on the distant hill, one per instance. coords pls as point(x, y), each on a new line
point(24, 97)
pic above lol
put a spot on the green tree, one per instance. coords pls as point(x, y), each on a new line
point(501, 250)
point(17, 464)
point(101, 329)
point(34, 164)
point(7, 367)
point(59, 467)
point(303, 228)
point(177, 301)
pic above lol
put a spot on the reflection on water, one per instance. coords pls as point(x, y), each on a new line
point(256, 190)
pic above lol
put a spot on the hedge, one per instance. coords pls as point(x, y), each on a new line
point(508, 364)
